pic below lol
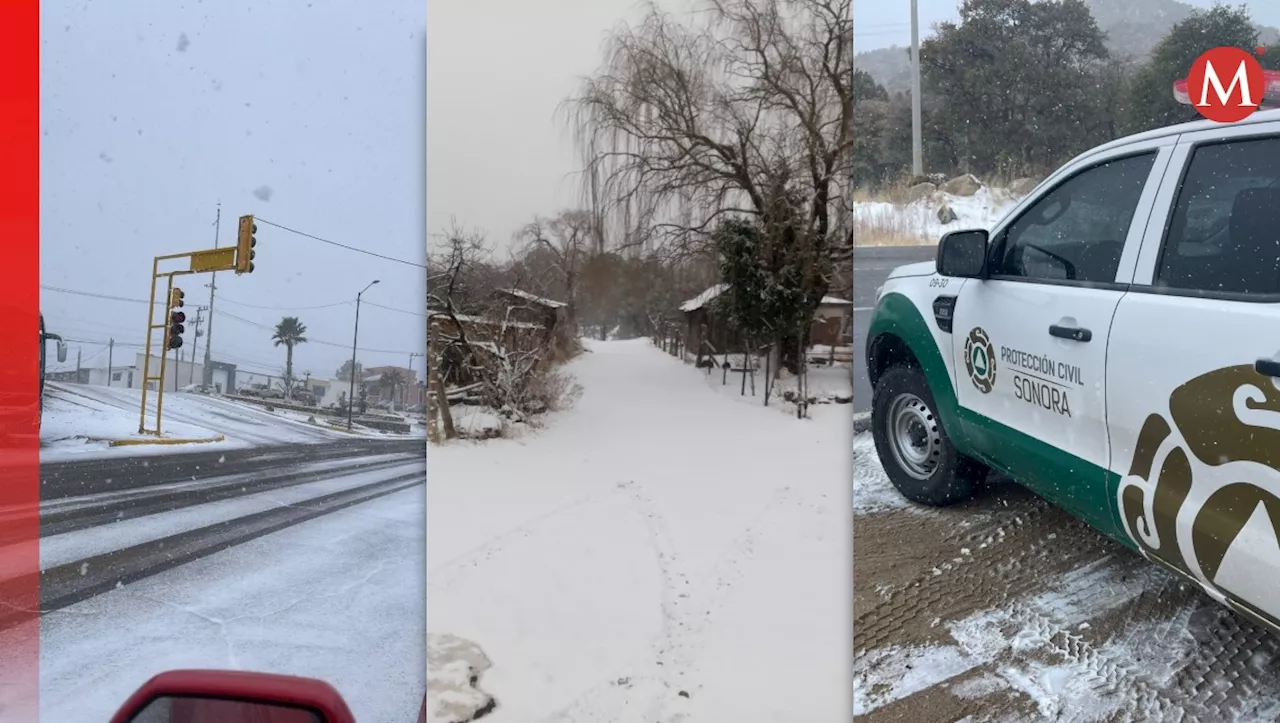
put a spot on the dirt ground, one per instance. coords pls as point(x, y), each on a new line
point(1008, 609)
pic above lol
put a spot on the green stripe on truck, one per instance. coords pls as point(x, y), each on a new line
point(1080, 487)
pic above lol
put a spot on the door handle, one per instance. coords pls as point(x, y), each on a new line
point(1268, 367)
point(1071, 333)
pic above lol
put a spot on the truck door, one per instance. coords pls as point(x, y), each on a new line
point(1194, 371)
point(1029, 342)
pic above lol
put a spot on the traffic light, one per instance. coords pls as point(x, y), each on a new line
point(244, 245)
point(173, 336)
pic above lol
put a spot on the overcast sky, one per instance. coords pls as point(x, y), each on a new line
point(883, 23)
point(152, 113)
point(496, 71)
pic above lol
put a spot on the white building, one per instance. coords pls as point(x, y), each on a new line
point(178, 374)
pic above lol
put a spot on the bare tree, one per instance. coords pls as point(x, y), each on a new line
point(480, 334)
point(568, 239)
point(687, 122)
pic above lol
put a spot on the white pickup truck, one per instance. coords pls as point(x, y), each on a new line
point(1113, 344)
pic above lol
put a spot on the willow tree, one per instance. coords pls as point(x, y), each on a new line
point(694, 118)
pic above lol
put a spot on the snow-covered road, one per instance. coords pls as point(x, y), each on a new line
point(660, 552)
point(338, 597)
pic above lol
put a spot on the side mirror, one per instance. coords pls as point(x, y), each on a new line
point(62, 351)
point(963, 254)
point(229, 696)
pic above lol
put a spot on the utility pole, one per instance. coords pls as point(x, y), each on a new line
point(206, 380)
point(111, 350)
point(355, 339)
point(77, 365)
point(413, 379)
point(191, 374)
point(917, 152)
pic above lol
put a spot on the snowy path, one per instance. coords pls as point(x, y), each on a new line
point(661, 552)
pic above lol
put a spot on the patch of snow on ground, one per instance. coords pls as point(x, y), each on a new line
point(872, 490)
point(74, 422)
point(452, 666)
point(982, 210)
point(890, 674)
point(474, 421)
point(610, 564)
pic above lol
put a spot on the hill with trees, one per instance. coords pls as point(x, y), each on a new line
point(1131, 29)
point(1017, 87)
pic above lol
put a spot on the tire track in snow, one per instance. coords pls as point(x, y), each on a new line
point(1167, 653)
point(994, 571)
point(1039, 645)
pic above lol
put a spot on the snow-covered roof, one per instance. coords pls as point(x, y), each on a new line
point(549, 303)
point(704, 298)
point(471, 319)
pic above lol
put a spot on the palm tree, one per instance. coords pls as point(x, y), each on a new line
point(290, 332)
point(393, 378)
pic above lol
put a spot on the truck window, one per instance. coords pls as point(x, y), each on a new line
point(1076, 232)
point(1224, 235)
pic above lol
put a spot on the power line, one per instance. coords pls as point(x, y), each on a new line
point(291, 308)
point(97, 295)
point(392, 308)
point(110, 297)
point(340, 245)
point(880, 32)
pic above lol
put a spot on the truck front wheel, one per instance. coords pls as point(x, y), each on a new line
point(914, 449)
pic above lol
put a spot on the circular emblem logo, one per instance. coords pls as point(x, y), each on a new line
point(980, 360)
point(1226, 84)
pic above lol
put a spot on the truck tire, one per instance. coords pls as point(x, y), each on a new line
point(914, 449)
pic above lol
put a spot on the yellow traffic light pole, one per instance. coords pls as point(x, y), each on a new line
point(238, 259)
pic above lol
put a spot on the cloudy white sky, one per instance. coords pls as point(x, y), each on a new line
point(153, 113)
point(883, 23)
point(496, 71)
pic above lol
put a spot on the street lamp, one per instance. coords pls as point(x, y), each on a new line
point(413, 378)
point(351, 392)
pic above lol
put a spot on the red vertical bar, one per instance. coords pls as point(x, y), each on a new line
point(19, 365)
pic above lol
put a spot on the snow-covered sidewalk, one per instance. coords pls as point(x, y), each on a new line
point(80, 421)
point(661, 552)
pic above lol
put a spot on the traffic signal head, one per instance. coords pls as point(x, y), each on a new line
point(244, 245)
point(173, 335)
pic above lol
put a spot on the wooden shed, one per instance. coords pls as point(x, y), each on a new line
point(832, 323)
